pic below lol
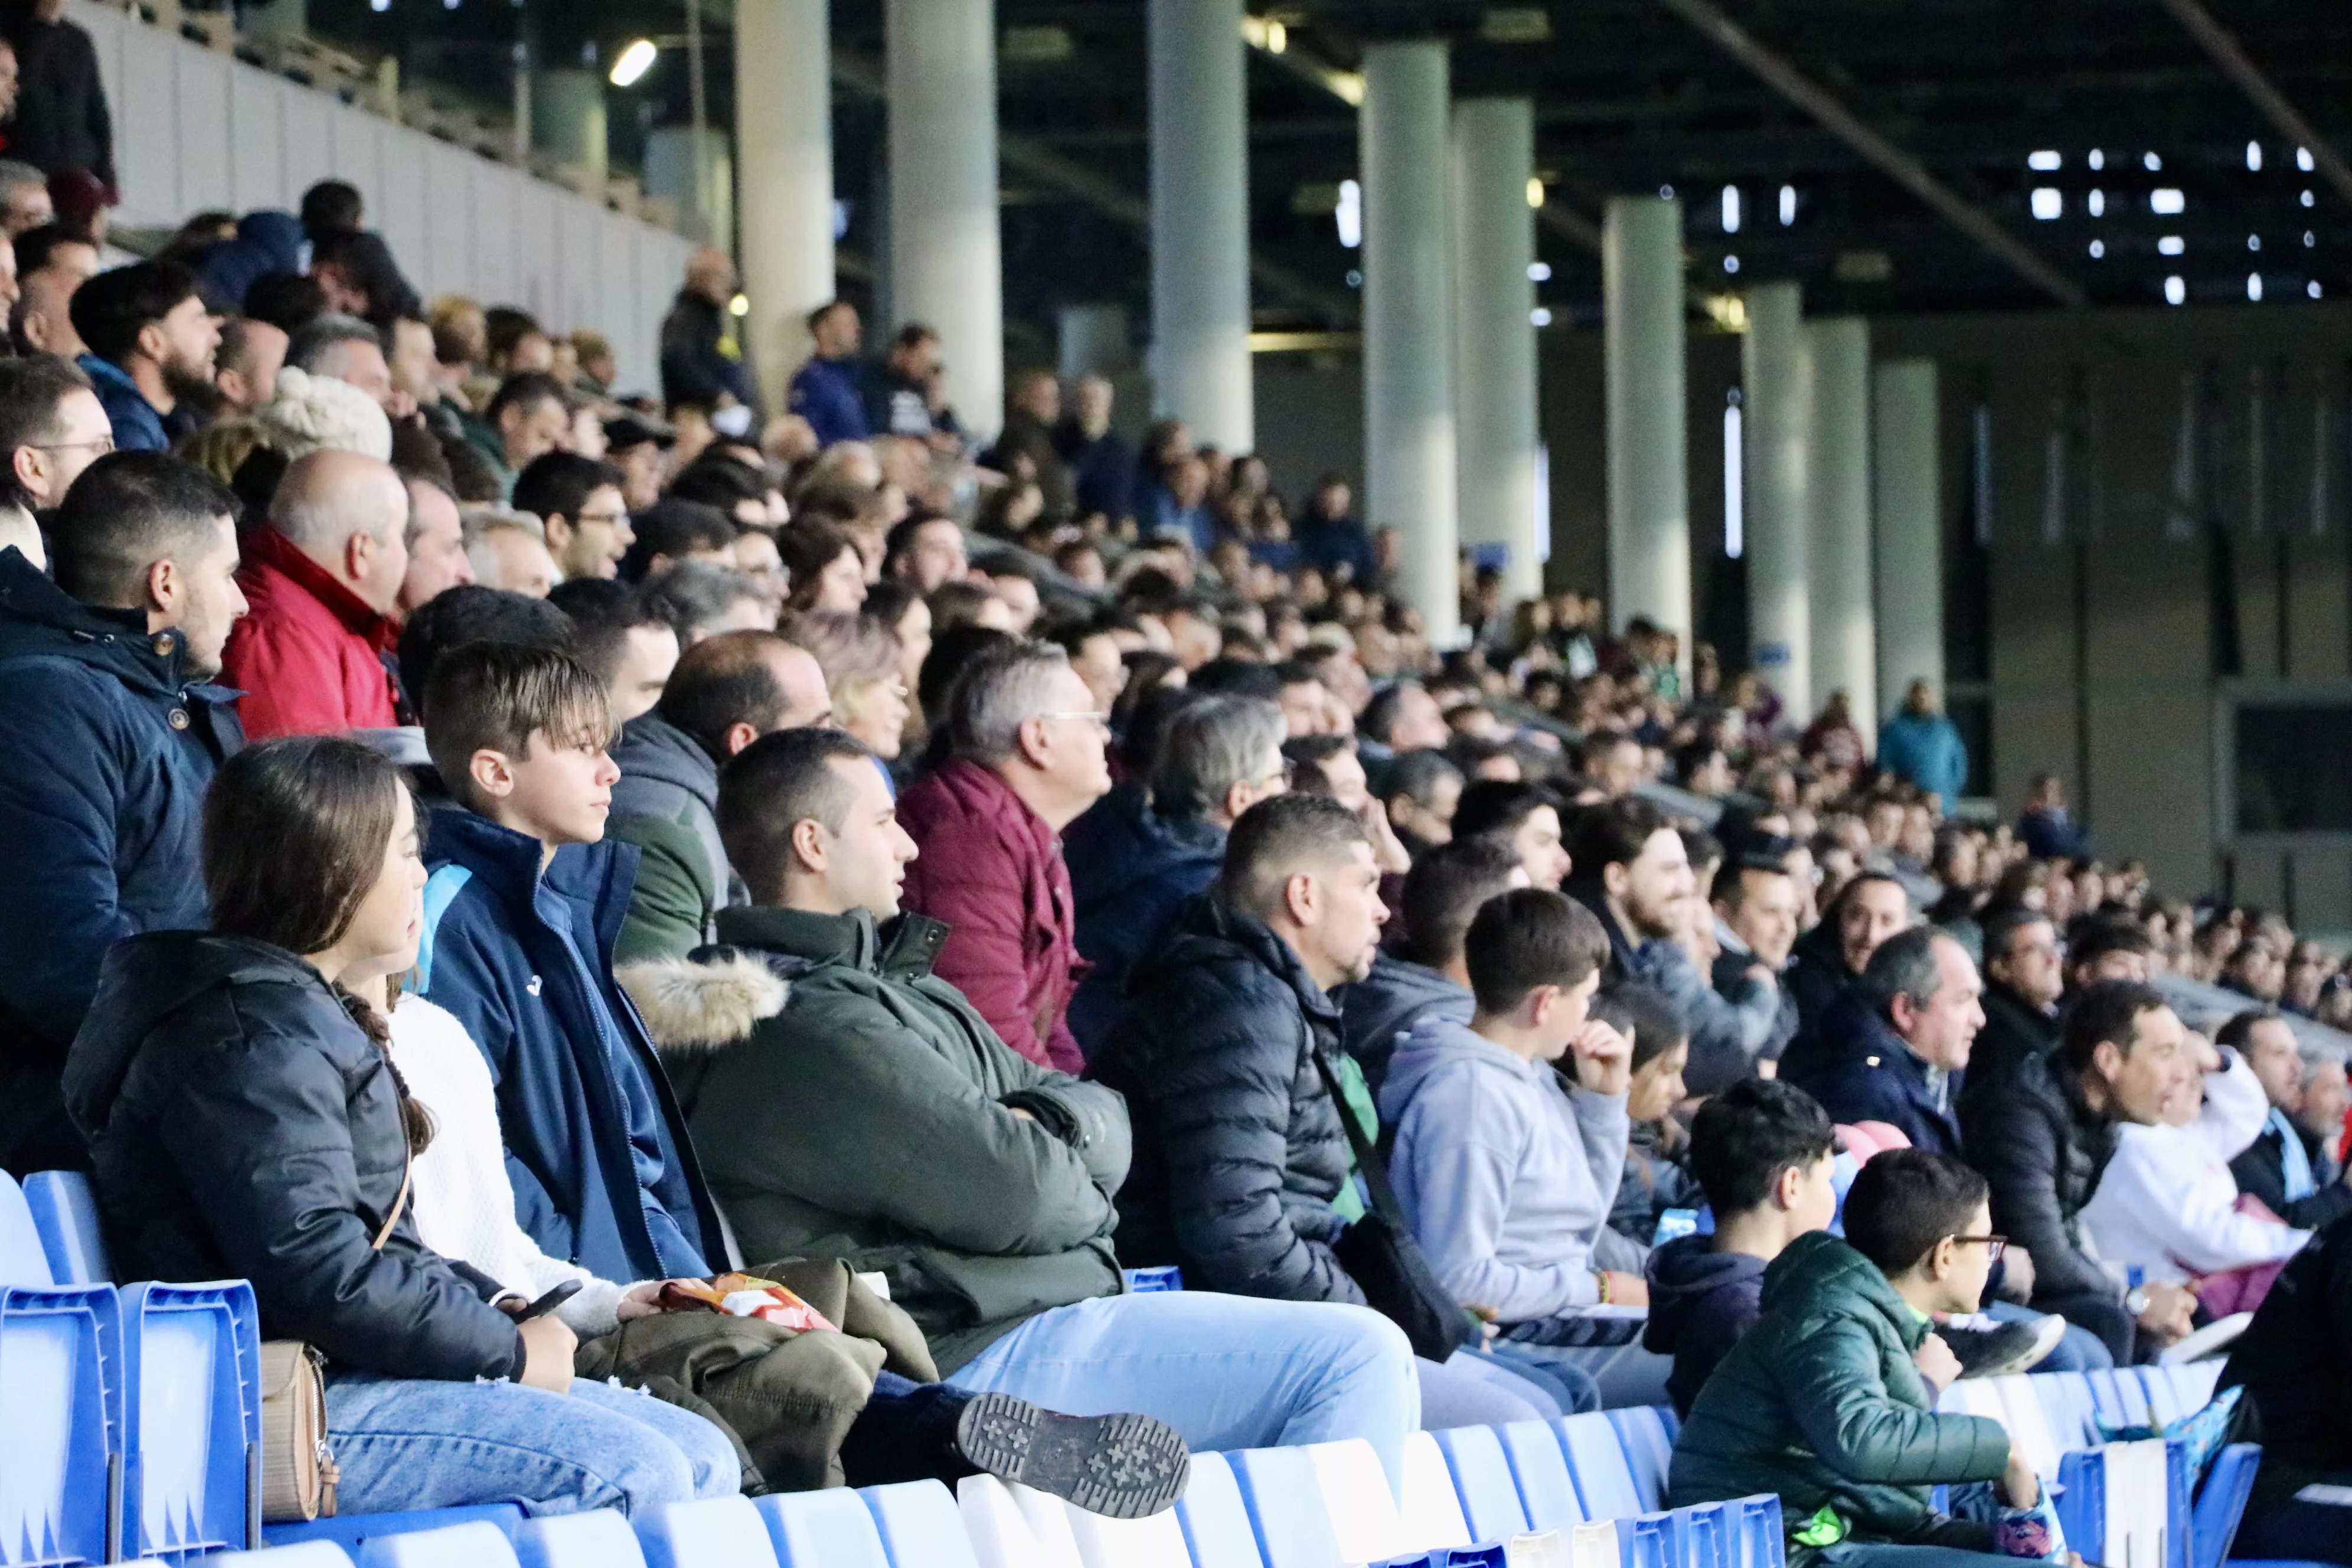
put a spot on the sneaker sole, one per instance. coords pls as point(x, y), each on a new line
point(1121, 1467)
point(2046, 1335)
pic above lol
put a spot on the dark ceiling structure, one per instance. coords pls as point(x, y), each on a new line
point(1892, 155)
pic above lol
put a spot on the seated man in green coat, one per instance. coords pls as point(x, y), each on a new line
point(879, 1119)
point(1830, 1400)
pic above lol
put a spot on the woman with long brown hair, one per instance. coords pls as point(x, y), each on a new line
point(245, 1121)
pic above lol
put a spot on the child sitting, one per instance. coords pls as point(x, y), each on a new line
point(1763, 1151)
point(1657, 1147)
point(1830, 1400)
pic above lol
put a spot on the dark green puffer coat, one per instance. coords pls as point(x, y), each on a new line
point(1820, 1403)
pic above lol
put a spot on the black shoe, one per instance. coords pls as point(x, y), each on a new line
point(2004, 1348)
point(1121, 1467)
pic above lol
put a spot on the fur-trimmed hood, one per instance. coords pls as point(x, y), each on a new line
point(693, 1009)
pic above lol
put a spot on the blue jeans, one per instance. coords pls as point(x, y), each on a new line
point(1226, 1372)
point(1622, 1376)
point(2079, 1351)
point(409, 1442)
point(1865, 1556)
point(1468, 1389)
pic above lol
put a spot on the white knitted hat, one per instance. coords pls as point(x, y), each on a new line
point(310, 413)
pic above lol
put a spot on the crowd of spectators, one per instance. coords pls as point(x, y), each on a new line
point(470, 830)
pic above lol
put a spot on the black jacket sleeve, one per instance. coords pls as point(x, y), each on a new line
point(2019, 1143)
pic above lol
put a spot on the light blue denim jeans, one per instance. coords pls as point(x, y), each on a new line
point(1226, 1372)
point(2079, 1351)
point(410, 1442)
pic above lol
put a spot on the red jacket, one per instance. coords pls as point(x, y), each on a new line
point(993, 871)
point(309, 654)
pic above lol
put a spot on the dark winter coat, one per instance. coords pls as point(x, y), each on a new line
point(824, 392)
point(666, 804)
point(2043, 1150)
point(1820, 1402)
point(873, 1120)
point(701, 357)
point(1864, 1073)
point(520, 959)
point(1102, 470)
point(1815, 976)
point(61, 120)
point(2014, 1029)
point(242, 1125)
point(2295, 1358)
point(1129, 867)
point(1378, 1010)
point(1701, 1303)
point(1238, 1150)
point(2260, 1171)
point(110, 748)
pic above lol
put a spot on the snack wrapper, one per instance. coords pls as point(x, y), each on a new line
point(745, 1296)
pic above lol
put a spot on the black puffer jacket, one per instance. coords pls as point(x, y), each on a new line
point(2042, 1149)
point(1238, 1150)
point(241, 1125)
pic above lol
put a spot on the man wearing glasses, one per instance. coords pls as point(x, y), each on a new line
point(52, 427)
point(1026, 750)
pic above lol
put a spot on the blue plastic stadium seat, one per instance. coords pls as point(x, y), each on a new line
point(1216, 1521)
point(1482, 1479)
point(1703, 1535)
point(192, 1412)
point(697, 1534)
point(1286, 1507)
point(308, 1554)
point(830, 1529)
point(1604, 1479)
point(352, 1531)
point(64, 1214)
point(1648, 1541)
point(476, 1544)
point(1758, 1538)
point(601, 1539)
point(1547, 1491)
point(1649, 1450)
point(61, 1386)
point(2067, 1403)
point(920, 1525)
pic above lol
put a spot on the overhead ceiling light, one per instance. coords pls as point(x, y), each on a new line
point(2254, 157)
point(2176, 291)
point(2167, 202)
point(1277, 38)
point(2311, 288)
point(633, 63)
point(1515, 25)
point(2046, 159)
point(2170, 245)
point(1347, 87)
point(2098, 248)
point(2303, 159)
point(1731, 264)
point(2254, 242)
point(2253, 286)
point(2151, 162)
point(2309, 239)
point(2306, 199)
point(1535, 190)
point(2095, 204)
point(1731, 209)
point(2048, 203)
point(1539, 271)
point(1349, 214)
point(1788, 206)
point(740, 305)
point(1539, 317)
point(2097, 160)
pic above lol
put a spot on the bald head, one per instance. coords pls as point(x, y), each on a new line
point(349, 513)
point(709, 274)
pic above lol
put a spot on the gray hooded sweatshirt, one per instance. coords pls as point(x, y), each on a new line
point(1506, 1171)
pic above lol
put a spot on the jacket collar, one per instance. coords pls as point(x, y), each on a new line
point(1818, 1265)
point(903, 948)
point(983, 792)
point(1588, 892)
point(1207, 919)
point(265, 549)
point(115, 640)
point(115, 378)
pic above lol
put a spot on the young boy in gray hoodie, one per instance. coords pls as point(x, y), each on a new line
point(1505, 1169)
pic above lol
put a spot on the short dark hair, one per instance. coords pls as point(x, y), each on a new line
point(717, 480)
point(1904, 965)
point(604, 612)
point(1529, 937)
point(127, 511)
point(773, 784)
point(723, 681)
point(1444, 891)
point(808, 546)
point(815, 317)
point(1755, 858)
point(1642, 1014)
point(496, 696)
point(525, 390)
point(32, 391)
point(1905, 1202)
point(1236, 678)
point(1416, 775)
point(2238, 1034)
point(558, 484)
point(1613, 833)
point(2001, 925)
point(2106, 1013)
point(1273, 840)
point(330, 207)
point(111, 310)
point(676, 529)
point(2088, 941)
point(1501, 805)
point(287, 301)
point(472, 613)
point(36, 247)
point(1380, 715)
point(1742, 1139)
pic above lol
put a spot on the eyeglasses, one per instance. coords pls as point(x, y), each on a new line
point(1994, 1245)
point(102, 444)
point(1084, 716)
point(590, 516)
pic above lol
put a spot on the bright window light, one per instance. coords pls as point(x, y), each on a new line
point(1350, 214)
point(2170, 245)
point(2254, 157)
point(1539, 271)
point(2098, 248)
point(2048, 203)
point(633, 62)
point(2312, 288)
point(1731, 209)
point(1539, 317)
point(2167, 202)
point(1788, 206)
point(2176, 292)
point(1731, 264)
point(2045, 161)
point(2253, 286)
point(2303, 159)
point(2095, 204)
point(2151, 162)
point(1735, 481)
point(2097, 160)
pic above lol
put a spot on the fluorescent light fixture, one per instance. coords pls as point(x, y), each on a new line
point(2170, 245)
point(2045, 161)
point(2176, 292)
point(633, 62)
point(2253, 286)
point(1735, 509)
point(2097, 160)
point(2166, 201)
point(1539, 317)
point(1539, 271)
point(2303, 159)
point(2254, 242)
point(1277, 38)
point(1731, 209)
point(2095, 204)
point(2306, 199)
point(1350, 214)
point(1535, 190)
point(2151, 162)
point(2098, 248)
point(2254, 157)
point(1731, 264)
point(1788, 206)
point(2312, 288)
point(2048, 203)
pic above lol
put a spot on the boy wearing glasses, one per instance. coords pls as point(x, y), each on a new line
point(1830, 1400)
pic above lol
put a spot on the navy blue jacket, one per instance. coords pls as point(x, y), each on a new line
point(1102, 470)
point(1865, 1073)
point(495, 953)
point(826, 393)
point(1333, 542)
point(138, 423)
point(110, 748)
point(1129, 867)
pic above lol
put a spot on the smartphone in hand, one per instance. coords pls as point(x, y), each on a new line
point(548, 1302)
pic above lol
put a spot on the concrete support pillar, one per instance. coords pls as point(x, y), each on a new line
point(1494, 338)
point(1199, 222)
point(1776, 406)
point(1906, 478)
point(1409, 433)
point(1649, 469)
point(1093, 341)
point(947, 268)
point(705, 203)
point(1844, 635)
point(567, 122)
point(784, 134)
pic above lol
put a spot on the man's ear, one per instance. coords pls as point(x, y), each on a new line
point(556, 530)
point(25, 463)
point(1236, 799)
point(740, 735)
point(166, 588)
point(151, 342)
point(807, 840)
point(1302, 899)
point(491, 772)
point(1615, 878)
point(1031, 742)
